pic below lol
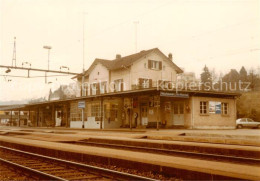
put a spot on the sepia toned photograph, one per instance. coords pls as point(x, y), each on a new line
point(129, 90)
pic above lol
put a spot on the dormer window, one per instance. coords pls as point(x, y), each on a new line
point(154, 65)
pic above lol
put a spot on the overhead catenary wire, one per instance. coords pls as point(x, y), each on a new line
point(31, 76)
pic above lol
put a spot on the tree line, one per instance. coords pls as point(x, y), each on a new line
point(233, 80)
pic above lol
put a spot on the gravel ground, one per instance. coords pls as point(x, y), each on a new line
point(7, 174)
point(137, 172)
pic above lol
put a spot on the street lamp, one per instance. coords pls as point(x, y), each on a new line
point(48, 48)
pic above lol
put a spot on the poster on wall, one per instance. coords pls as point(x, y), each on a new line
point(218, 107)
point(212, 107)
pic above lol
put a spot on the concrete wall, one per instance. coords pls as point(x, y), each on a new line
point(90, 124)
point(213, 121)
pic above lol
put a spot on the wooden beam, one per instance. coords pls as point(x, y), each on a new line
point(19, 120)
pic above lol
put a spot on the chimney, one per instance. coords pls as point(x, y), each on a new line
point(118, 56)
point(170, 56)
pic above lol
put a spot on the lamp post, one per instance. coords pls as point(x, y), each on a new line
point(48, 48)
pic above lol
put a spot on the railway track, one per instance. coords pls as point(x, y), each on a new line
point(49, 168)
point(198, 155)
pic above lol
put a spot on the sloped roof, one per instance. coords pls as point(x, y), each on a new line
point(12, 107)
point(126, 61)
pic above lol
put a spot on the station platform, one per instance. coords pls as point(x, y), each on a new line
point(49, 141)
point(249, 137)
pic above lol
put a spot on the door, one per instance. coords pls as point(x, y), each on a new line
point(178, 113)
point(144, 118)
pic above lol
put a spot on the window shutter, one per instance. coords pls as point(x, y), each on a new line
point(91, 87)
point(122, 85)
point(139, 81)
point(86, 88)
point(98, 88)
point(150, 83)
point(149, 64)
point(81, 91)
point(160, 65)
point(105, 87)
point(114, 86)
point(160, 83)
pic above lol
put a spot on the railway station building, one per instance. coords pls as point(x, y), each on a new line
point(137, 91)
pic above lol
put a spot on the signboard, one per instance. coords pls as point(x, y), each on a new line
point(218, 107)
point(173, 94)
point(214, 107)
point(81, 104)
point(145, 121)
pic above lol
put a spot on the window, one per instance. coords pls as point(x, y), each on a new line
point(119, 85)
point(59, 114)
point(224, 107)
point(243, 120)
point(144, 111)
point(114, 112)
point(145, 83)
point(95, 111)
point(181, 108)
point(76, 113)
point(155, 65)
point(203, 107)
point(93, 89)
point(175, 108)
point(103, 87)
point(249, 120)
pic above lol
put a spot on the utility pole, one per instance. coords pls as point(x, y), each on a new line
point(48, 48)
point(83, 58)
point(83, 67)
point(136, 24)
point(14, 53)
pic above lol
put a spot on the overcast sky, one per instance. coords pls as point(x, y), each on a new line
point(221, 34)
